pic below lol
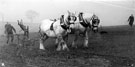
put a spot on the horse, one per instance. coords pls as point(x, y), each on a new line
point(84, 22)
point(57, 29)
point(24, 28)
point(9, 32)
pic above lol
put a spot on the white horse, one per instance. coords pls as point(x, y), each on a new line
point(55, 29)
point(82, 25)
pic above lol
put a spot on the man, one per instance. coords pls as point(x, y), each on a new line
point(24, 28)
point(131, 20)
point(9, 32)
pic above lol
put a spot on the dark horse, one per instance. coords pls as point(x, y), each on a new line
point(24, 28)
point(9, 32)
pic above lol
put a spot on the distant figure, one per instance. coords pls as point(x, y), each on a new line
point(24, 28)
point(131, 20)
point(9, 32)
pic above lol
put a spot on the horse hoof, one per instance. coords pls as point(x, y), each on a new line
point(20, 45)
point(57, 49)
point(28, 38)
point(74, 46)
point(66, 49)
point(42, 49)
point(86, 46)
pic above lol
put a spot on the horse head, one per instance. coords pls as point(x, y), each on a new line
point(69, 18)
point(95, 22)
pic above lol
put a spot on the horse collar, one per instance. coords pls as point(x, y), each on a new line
point(51, 27)
point(64, 27)
point(84, 24)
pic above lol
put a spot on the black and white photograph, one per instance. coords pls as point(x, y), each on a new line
point(67, 33)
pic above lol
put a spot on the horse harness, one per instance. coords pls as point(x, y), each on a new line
point(82, 21)
point(62, 25)
point(51, 27)
point(95, 21)
point(84, 24)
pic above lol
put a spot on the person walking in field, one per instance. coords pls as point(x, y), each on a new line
point(131, 20)
point(9, 32)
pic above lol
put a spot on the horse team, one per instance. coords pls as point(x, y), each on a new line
point(70, 23)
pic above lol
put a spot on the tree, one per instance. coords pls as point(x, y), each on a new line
point(31, 14)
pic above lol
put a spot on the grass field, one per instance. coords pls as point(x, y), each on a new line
point(116, 48)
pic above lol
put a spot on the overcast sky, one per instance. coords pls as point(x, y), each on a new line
point(112, 12)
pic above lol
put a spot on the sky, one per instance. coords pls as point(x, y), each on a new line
point(110, 12)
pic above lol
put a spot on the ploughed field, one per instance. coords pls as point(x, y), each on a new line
point(112, 47)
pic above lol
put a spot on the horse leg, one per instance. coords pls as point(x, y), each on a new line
point(73, 43)
point(41, 45)
point(86, 39)
point(59, 44)
point(42, 40)
point(64, 46)
point(56, 41)
point(59, 47)
point(65, 38)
